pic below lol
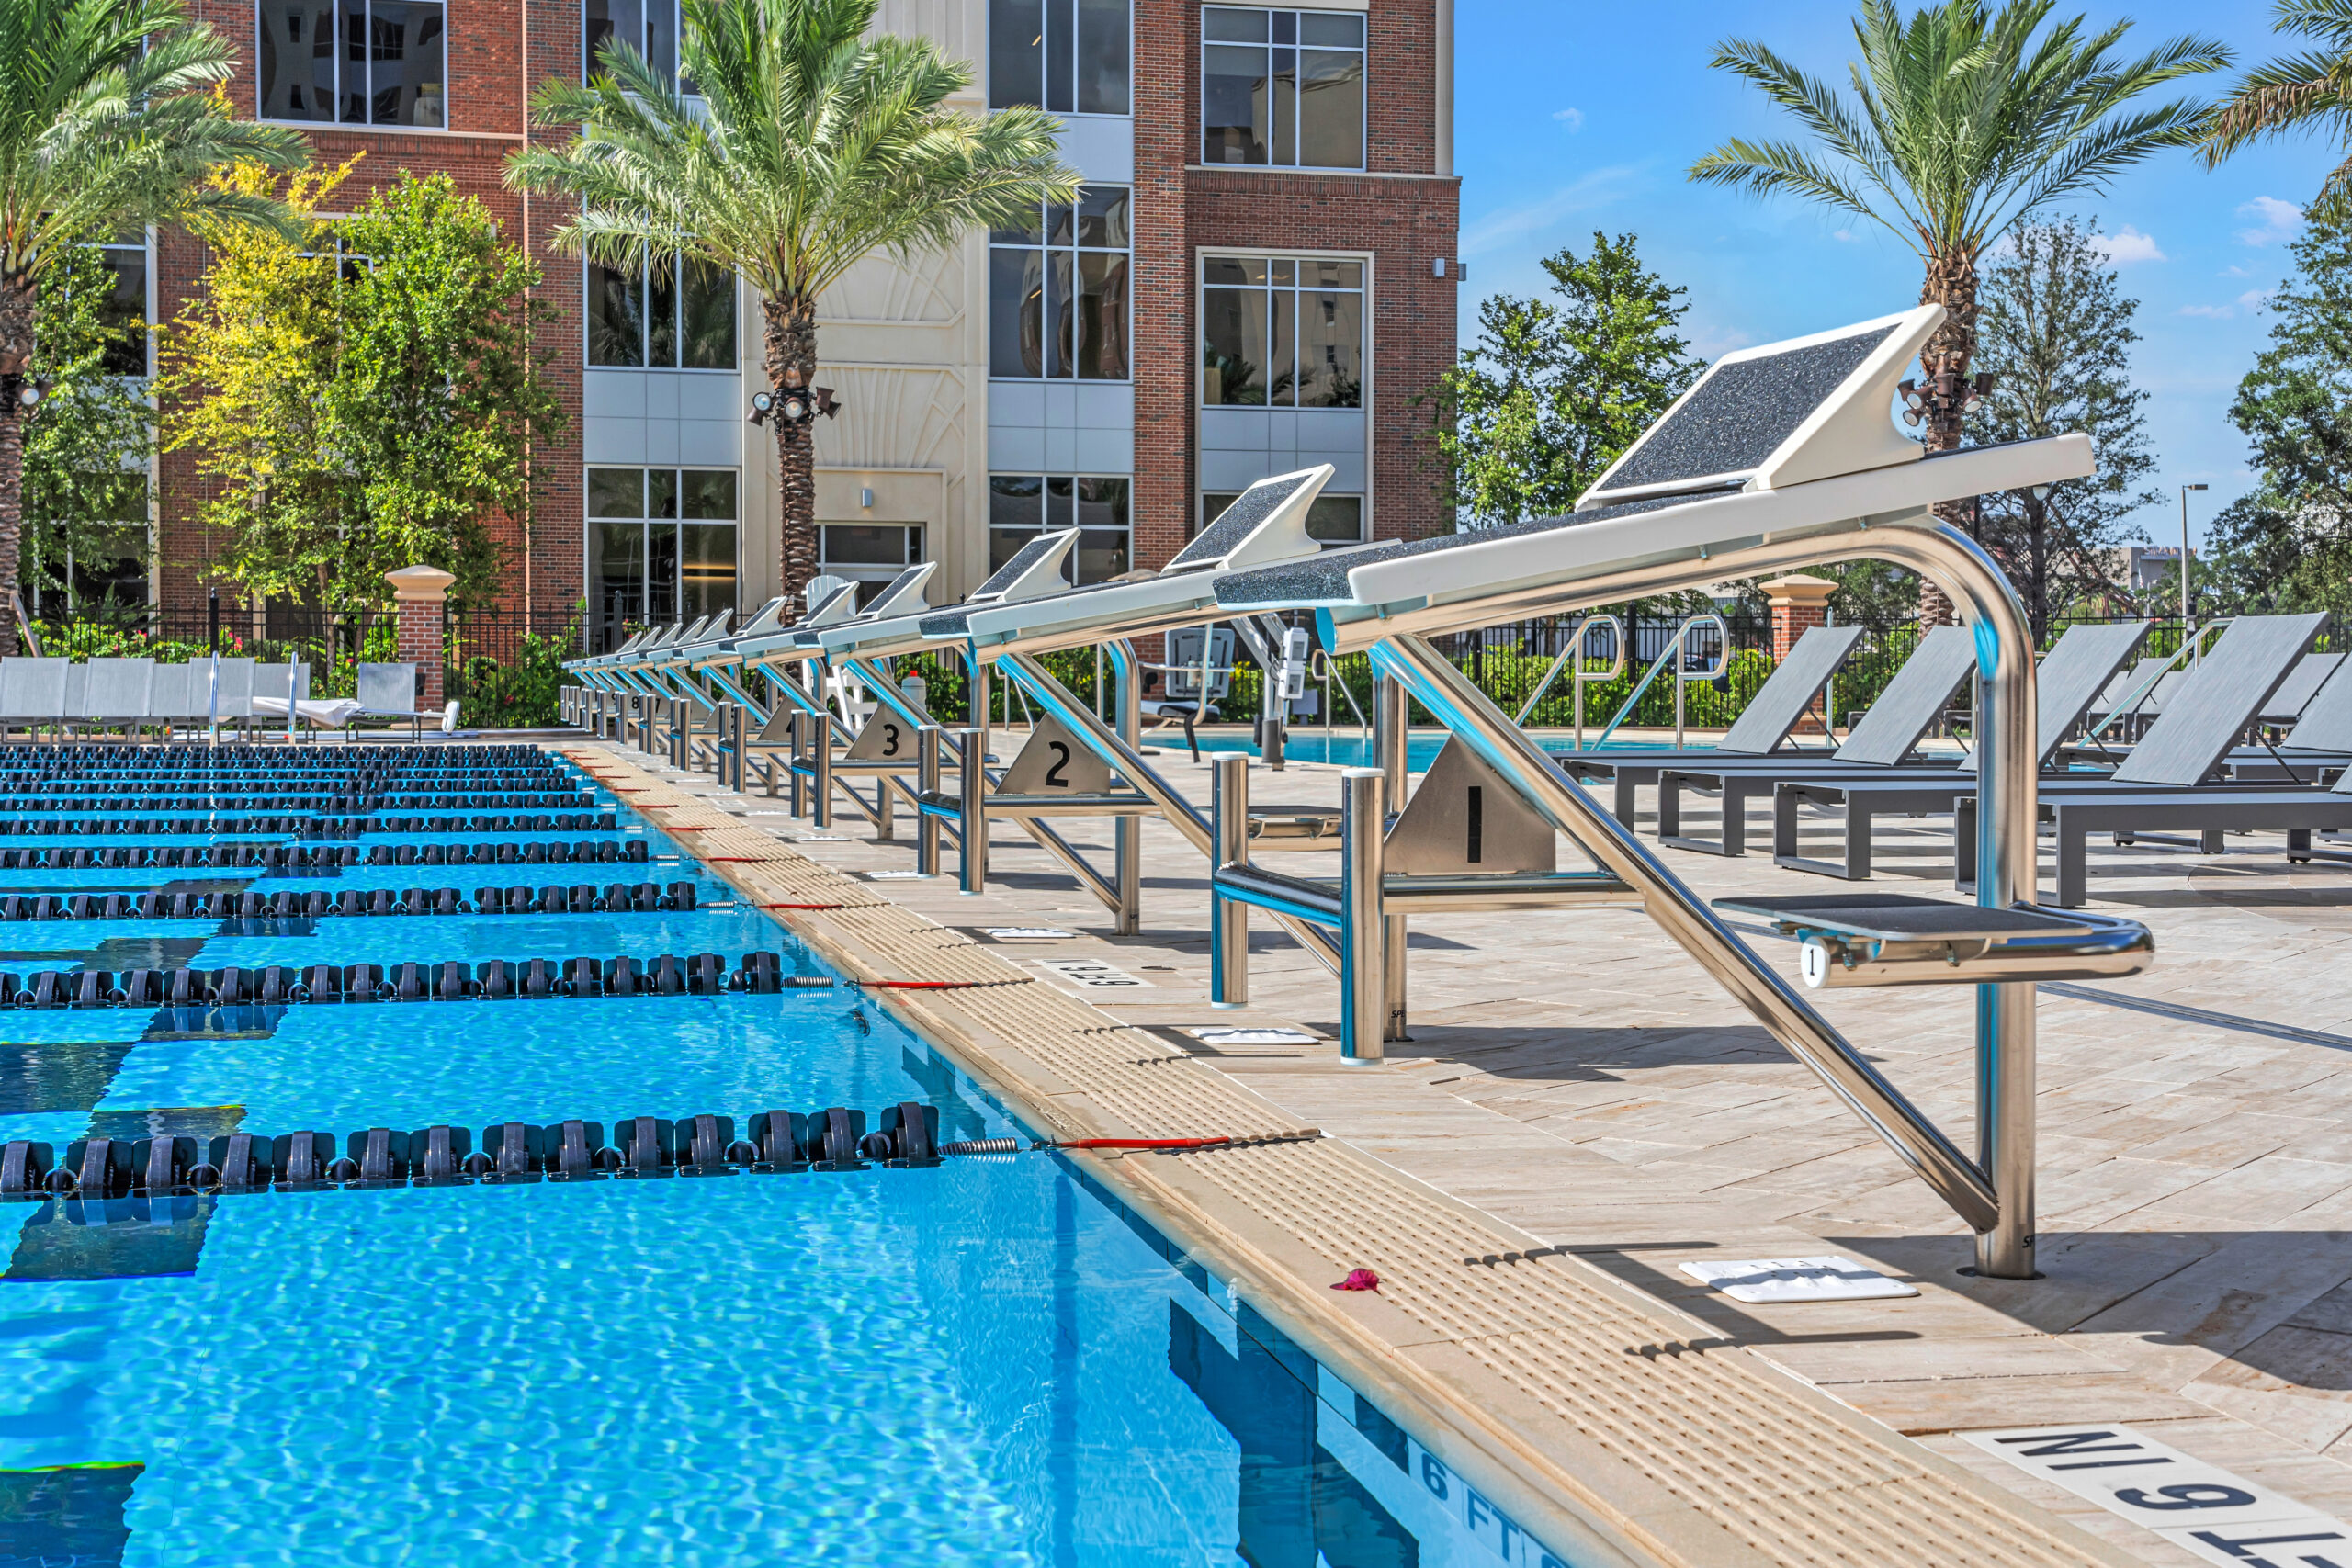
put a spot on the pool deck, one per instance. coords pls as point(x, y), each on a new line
point(1574, 1080)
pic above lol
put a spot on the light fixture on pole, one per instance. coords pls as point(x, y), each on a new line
point(2185, 600)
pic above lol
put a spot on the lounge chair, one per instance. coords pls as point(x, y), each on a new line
point(117, 692)
point(32, 693)
point(2163, 783)
point(389, 691)
point(1887, 737)
point(1761, 728)
point(2068, 681)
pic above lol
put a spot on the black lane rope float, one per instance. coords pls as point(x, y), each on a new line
point(496, 979)
point(309, 826)
point(286, 904)
point(298, 857)
point(777, 1143)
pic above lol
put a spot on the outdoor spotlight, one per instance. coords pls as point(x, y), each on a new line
point(824, 401)
point(794, 408)
point(761, 404)
point(29, 394)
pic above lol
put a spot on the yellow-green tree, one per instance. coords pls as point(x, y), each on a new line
point(246, 369)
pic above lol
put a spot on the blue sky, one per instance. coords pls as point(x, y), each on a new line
point(1572, 115)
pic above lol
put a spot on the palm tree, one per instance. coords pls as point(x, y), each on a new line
point(812, 147)
point(1964, 124)
point(106, 124)
point(2299, 93)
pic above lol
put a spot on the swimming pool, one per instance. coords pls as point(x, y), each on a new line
point(1353, 751)
point(985, 1361)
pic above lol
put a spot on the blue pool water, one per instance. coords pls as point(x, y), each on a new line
point(988, 1362)
point(1353, 751)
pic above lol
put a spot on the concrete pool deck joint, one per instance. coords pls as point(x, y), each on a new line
point(1606, 1422)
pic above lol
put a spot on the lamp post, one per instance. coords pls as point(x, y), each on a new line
point(2185, 555)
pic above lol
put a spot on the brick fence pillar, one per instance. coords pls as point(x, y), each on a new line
point(422, 593)
point(1800, 603)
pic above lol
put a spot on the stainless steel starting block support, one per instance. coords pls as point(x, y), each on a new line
point(971, 786)
point(1363, 928)
point(927, 744)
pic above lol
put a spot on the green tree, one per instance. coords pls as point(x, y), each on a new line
point(2288, 543)
point(105, 124)
point(88, 444)
point(2296, 93)
point(1556, 388)
point(2056, 335)
point(1964, 122)
point(362, 399)
point(245, 376)
point(814, 143)
point(437, 388)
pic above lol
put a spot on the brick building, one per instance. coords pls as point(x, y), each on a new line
point(1260, 276)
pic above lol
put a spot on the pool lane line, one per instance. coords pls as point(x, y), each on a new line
point(1521, 1376)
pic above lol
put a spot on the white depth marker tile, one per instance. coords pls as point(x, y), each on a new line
point(2199, 1508)
point(1830, 1278)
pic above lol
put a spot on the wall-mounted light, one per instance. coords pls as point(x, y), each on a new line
point(865, 497)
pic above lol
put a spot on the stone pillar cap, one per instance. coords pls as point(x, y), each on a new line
point(1799, 588)
point(420, 584)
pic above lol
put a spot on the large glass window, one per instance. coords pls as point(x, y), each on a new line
point(357, 61)
point(1281, 87)
point(683, 320)
point(1022, 504)
point(123, 312)
point(661, 547)
point(1057, 293)
point(1278, 332)
point(1333, 520)
point(650, 27)
point(1069, 56)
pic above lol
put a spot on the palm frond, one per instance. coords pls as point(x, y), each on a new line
point(813, 142)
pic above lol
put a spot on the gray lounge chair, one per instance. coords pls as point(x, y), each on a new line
point(117, 692)
point(2163, 783)
point(1761, 728)
point(1887, 737)
point(2067, 684)
point(389, 691)
point(32, 693)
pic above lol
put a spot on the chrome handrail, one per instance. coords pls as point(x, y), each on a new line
point(1674, 650)
point(1583, 677)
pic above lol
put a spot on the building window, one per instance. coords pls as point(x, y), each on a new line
point(650, 27)
point(868, 553)
point(1069, 56)
point(358, 62)
point(1281, 87)
point(683, 320)
point(1333, 520)
point(661, 549)
point(1057, 293)
point(122, 311)
point(1021, 504)
point(1278, 333)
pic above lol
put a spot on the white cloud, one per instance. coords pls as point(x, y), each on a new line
point(2274, 220)
point(1505, 225)
point(2211, 313)
point(1572, 118)
point(2235, 272)
point(2253, 300)
point(1847, 237)
point(2127, 245)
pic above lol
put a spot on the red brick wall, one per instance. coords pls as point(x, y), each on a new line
point(1404, 223)
point(486, 97)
